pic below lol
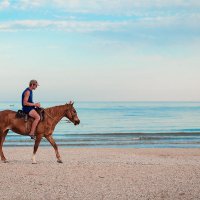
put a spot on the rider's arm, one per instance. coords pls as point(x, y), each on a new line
point(26, 96)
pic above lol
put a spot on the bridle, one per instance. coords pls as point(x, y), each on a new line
point(68, 121)
point(72, 115)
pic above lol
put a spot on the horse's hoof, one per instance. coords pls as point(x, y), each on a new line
point(34, 162)
point(59, 161)
point(5, 161)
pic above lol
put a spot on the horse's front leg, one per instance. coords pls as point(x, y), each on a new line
point(52, 142)
point(2, 139)
point(37, 142)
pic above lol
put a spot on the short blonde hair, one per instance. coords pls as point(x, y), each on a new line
point(33, 82)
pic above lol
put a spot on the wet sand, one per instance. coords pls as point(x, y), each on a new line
point(92, 173)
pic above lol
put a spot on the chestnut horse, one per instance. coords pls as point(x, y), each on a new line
point(45, 128)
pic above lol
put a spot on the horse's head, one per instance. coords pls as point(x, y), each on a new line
point(71, 114)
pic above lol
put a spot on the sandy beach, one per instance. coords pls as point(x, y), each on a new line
point(93, 173)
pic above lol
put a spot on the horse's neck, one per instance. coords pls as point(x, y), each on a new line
point(57, 112)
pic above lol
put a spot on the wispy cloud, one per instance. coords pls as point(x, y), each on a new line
point(101, 6)
point(71, 26)
point(174, 22)
point(137, 13)
point(121, 7)
point(4, 4)
point(24, 4)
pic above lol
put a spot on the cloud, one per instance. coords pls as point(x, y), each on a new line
point(104, 6)
point(24, 4)
point(140, 18)
point(153, 13)
point(71, 26)
point(175, 22)
point(118, 4)
point(4, 4)
point(125, 7)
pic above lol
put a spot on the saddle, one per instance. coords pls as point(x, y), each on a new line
point(21, 114)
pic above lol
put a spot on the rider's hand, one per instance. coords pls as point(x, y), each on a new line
point(37, 105)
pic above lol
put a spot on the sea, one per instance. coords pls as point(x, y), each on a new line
point(122, 125)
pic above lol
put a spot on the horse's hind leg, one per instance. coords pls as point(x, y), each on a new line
point(2, 139)
point(37, 142)
point(52, 142)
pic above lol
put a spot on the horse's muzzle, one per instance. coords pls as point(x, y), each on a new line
point(77, 122)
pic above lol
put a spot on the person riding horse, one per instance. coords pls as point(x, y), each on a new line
point(53, 115)
point(28, 106)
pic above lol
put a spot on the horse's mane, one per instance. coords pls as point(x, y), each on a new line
point(56, 109)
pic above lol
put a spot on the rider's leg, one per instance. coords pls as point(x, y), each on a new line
point(36, 117)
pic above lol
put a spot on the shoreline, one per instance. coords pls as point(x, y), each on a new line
point(114, 147)
point(113, 140)
point(101, 173)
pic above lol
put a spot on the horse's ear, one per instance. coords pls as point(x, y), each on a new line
point(70, 102)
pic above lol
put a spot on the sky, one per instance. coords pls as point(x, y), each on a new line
point(100, 50)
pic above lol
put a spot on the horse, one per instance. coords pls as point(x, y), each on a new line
point(45, 128)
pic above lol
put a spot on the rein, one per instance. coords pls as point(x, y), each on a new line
point(48, 114)
point(68, 121)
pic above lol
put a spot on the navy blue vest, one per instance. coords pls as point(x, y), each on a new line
point(27, 109)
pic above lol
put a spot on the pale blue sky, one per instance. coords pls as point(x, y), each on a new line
point(130, 50)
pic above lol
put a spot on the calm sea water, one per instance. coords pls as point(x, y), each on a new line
point(123, 125)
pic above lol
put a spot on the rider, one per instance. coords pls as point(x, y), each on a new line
point(28, 106)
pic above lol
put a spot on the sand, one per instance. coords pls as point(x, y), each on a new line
point(93, 173)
